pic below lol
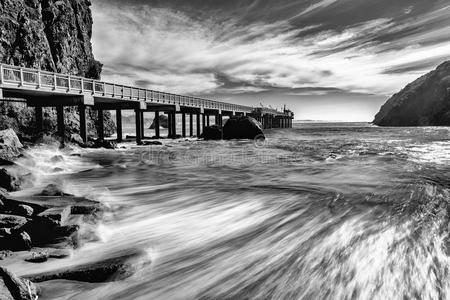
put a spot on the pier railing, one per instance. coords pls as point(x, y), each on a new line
point(43, 80)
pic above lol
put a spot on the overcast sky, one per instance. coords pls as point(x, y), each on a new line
point(325, 59)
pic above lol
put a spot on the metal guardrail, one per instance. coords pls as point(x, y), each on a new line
point(38, 79)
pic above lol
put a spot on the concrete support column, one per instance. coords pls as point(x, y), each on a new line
point(119, 125)
point(138, 126)
point(157, 134)
point(169, 125)
point(207, 120)
point(198, 125)
point(183, 124)
point(191, 125)
point(203, 122)
point(39, 118)
point(174, 124)
point(220, 119)
point(60, 121)
point(83, 127)
point(100, 125)
point(142, 125)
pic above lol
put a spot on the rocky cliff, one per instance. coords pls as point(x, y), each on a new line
point(53, 35)
point(424, 102)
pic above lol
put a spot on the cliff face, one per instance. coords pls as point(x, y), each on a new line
point(53, 35)
point(424, 102)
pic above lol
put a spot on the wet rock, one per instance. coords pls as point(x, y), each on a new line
point(60, 253)
point(213, 132)
point(10, 144)
point(57, 170)
point(17, 241)
point(9, 181)
point(241, 127)
point(76, 139)
point(57, 158)
point(105, 144)
point(4, 162)
point(111, 269)
point(12, 221)
point(24, 210)
point(5, 254)
point(16, 288)
point(57, 215)
point(53, 190)
point(75, 154)
point(150, 143)
point(163, 122)
point(38, 256)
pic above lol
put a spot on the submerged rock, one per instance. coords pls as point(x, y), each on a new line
point(424, 102)
point(241, 127)
point(10, 145)
point(53, 190)
point(99, 143)
point(9, 181)
point(12, 221)
point(213, 132)
point(111, 269)
point(15, 288)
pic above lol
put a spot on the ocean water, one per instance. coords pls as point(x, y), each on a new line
point(319, 211)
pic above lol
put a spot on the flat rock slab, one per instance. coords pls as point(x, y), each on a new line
point(58, 215)
point(79, 205)
point(10, 221)
point(112, 269)
point(13, 287)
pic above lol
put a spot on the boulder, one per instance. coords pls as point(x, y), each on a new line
point(16, 241)
point(5, 254)
point(241, 127)
point(424, 102)
point(53, 190)
point(23, 210)
point(10, 145)
point(163, 122)
point(15, 288)
point(9, 181)
point(57, 215)
point(213, 132)
point(38, 256)
point(99, 143)
point(76, 139)
point(57, 158)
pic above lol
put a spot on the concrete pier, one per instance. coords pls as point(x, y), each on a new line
point(119, 125)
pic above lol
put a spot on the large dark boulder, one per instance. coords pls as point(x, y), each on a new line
point(213, 132)
point(15, 288)
point(424, 102)
point(163, 122)
point(9, 181)
point(10, 145)
point(241, 127)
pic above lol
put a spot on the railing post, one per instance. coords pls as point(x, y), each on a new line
point(82, 85)
point(104, 89)
point(69, 85)
point(39, 79)
point(1, 74)
point(21, 77)
point(114, 91)
point(54, 81)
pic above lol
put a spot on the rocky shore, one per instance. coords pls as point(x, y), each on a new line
point(47, 226)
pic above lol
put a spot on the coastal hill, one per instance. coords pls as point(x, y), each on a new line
point(54, 36)
point(424, 102)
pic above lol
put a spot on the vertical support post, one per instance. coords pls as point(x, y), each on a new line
point(207, 120)
point(203, 122)
point(138, 126)
point(83, 128)
point(60, 121)
point(191, 125)
point(198, 125)
point(119, 125)
point(174, 124)
point(100, 125)
point(183, 124)
point(39, 119)
point(169, 124)
point(157, 125)
point(142, 125)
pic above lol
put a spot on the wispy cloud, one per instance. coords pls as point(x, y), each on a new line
point(159, 47)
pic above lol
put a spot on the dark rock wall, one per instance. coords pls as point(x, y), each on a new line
point(424, 102)
point(53, 35)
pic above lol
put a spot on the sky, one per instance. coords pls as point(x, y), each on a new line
point(334, 60)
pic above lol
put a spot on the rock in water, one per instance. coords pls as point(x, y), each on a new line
point(424, 102)
point(241, 127)
point(15, 288)
point(9, 181)
point(213, 132)
point(9, 145)
point(163, 122)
